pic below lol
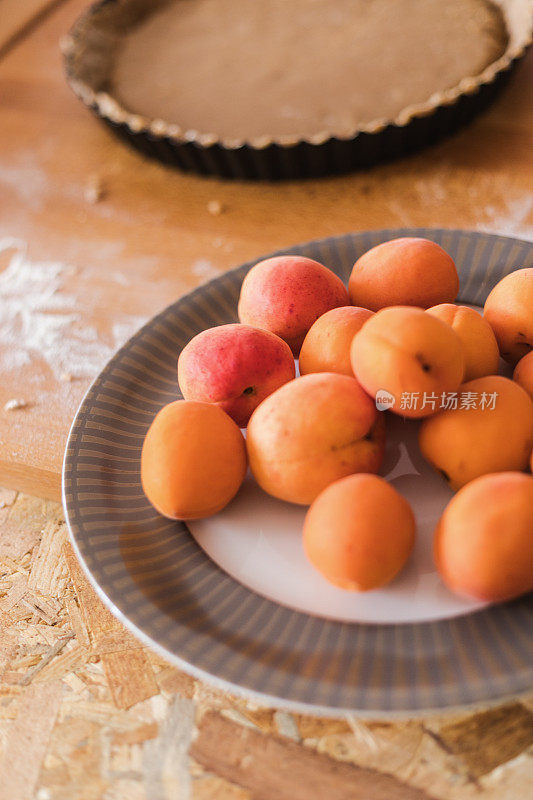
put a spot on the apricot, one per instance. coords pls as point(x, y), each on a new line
point(286, 294)
point(411, 355)
point(509, 311)
point(326, 347)
point(193, 460)
point(359, 532)
point(523, 373)
point(312, 431)
point(491, 430)
point(404, 272)
point(236, 367)
point(484, 541)
point(480, 348)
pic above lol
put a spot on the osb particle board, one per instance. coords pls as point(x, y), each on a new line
point(86, 711)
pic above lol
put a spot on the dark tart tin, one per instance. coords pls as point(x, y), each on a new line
point(88, 54)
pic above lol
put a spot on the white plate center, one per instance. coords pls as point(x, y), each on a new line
point(258, 541)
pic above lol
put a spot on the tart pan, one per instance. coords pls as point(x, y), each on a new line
point(88, 50)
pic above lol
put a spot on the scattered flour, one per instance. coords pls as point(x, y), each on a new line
point(39, 320)
point(205, 269)
point(26, 179)
point(446, 186)
point(518, 219)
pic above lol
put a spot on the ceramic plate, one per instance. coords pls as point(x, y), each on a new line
point(232, 599)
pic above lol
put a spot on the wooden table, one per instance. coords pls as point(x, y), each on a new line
point(93, 240)
point(79, 276)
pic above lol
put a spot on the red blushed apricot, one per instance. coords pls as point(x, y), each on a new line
point(523, 373)
point(359, 532)
point(509, 311)
point(287, 294)
point(404, 272)
point(326, 347)
point(312, 431)
point(480, 348)
point(193, 460)
point(409, 354)
point(484, 540)
point(471, 440)
point(236, 367)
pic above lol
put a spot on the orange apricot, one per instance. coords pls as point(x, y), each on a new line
point(359, 532)
point(480, 347)
point(411, 355)
point(490, 430)
point(286, 294)
point(483, 543)
point(404, 272)
point(312, 431)
point(326, 347)
point(509, 311)
point(523, 373)
point(193, 460)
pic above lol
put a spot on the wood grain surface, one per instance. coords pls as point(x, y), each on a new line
point(87, 712)
point(94, 239)
point(16, 17)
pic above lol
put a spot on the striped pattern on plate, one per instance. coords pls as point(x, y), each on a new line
point(158, 581)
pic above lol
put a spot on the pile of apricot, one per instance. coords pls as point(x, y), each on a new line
point(394, 340)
